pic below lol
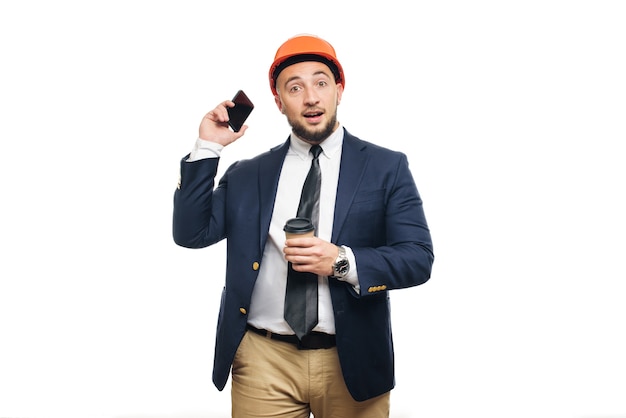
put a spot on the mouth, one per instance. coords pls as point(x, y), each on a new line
point(313, 115)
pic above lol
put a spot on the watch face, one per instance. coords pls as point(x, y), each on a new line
point(341, 267)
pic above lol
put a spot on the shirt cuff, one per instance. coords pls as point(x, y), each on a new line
point(205, 149)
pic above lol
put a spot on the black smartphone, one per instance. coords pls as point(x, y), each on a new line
point(237, 115)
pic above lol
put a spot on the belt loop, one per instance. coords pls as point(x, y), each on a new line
point(268, 334)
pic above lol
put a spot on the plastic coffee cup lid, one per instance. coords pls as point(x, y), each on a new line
point(298, 226)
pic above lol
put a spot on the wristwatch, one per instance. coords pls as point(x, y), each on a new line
point(341, 267)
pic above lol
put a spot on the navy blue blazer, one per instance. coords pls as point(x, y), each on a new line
point(378, 214)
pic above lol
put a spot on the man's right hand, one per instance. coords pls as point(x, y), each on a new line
point(214, 126)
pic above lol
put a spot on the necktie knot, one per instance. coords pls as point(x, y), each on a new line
point(316, 150)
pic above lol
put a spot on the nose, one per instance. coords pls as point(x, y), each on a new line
point(311, 98)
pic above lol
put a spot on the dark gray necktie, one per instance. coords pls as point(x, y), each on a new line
point(301, 292)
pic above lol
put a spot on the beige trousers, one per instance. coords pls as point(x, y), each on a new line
point(274, 379)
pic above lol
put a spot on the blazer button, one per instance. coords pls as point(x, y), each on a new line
point(243, 311)
point(255, 266)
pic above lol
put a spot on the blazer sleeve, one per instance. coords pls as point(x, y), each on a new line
point(386, 228)
point(197, 207)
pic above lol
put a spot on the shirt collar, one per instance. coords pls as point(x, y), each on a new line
point(330, 146)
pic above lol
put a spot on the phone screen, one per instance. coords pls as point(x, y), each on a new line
point(237, 115)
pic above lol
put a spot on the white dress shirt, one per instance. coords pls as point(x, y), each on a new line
point(266, 307)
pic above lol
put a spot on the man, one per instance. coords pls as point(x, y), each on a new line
point(372, 237)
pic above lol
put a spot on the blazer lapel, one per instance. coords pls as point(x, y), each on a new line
point(268, 175)
point(353, 163)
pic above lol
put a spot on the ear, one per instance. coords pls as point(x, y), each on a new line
point(279, 104)
point(339, 92)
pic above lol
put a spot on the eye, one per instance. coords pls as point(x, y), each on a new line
point(295, 89)
point(322, 83)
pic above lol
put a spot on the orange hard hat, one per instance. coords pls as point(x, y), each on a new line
point(305, 48)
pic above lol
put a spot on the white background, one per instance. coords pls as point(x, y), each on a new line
point(513, 117)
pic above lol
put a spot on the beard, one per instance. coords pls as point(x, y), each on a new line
point(314, 136)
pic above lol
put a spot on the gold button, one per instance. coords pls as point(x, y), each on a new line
point(243, 311)
point(255, 266)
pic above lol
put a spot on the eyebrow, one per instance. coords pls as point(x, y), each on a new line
point(297, 77)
